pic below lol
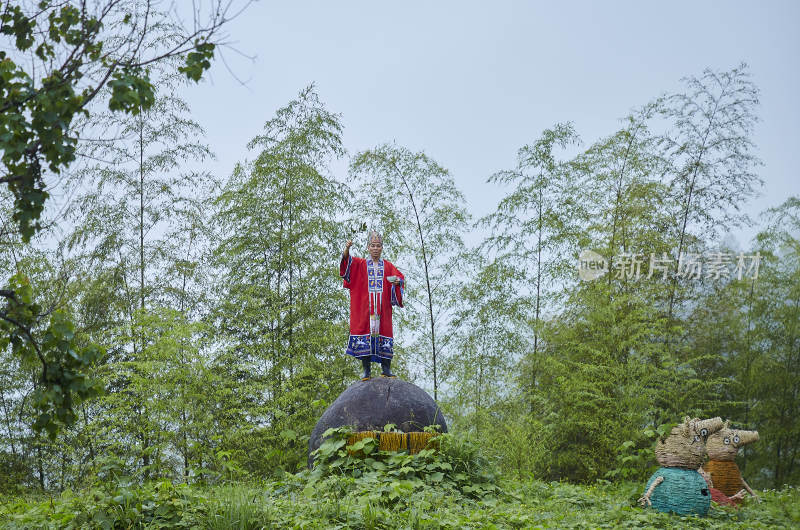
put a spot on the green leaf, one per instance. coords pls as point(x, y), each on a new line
point(198, 61)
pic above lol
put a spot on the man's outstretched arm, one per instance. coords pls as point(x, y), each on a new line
point(344, 265)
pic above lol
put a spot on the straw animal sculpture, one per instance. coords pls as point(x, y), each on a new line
point(722, 447)
point(681, 447)
point(719, 497)
point(677, 486)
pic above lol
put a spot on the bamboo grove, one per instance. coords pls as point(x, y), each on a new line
point(222, 319)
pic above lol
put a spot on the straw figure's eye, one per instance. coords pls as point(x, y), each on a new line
point(736, 439)
point(696, 437)
point(727, 441)
point(704, 432)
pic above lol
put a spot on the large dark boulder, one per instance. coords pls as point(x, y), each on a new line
point(369, 405)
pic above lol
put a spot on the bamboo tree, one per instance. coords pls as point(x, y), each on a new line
point(593, 377)
point(776, 370)
point(278, 303)
point(708, 151)
point(491, 333)
point(125, 243)
point(748, 327)
point(533, 224)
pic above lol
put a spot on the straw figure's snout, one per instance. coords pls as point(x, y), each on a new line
point(724, 444)
point(685, 446)
point(745, 437)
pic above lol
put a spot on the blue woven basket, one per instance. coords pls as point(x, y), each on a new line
point(683, 491)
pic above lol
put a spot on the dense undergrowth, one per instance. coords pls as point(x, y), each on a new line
point(447, 486)
point(341, 502)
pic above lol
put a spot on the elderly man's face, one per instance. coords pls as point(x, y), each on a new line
point(375, 248)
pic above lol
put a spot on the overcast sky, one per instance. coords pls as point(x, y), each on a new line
point(471, 82)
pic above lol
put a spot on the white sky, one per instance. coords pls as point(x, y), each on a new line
point(471, 82)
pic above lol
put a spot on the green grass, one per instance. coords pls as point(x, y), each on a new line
point(449, 485)
point(344, 502)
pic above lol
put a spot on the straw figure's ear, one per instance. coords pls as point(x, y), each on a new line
point(727, 424)
point(684, 427)
point(708, 427)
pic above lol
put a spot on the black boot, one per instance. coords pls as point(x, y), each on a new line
point(386, 368)
point(365, 363)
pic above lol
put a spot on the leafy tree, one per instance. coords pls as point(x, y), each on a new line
point(598, 376)
point(11, 374)
point(77, 51)
point(26, 456)
point(534, 224)
point(280, 310)
point(77, 54)
point(708, 152)
point(774, 374)
point(491, 331)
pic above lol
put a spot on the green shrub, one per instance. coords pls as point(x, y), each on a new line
point(636, 459)
point(153, 505)
point(448, 463)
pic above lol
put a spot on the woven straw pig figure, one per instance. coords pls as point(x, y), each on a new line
point(677, 486)
point(719, 497)
point(722, 447)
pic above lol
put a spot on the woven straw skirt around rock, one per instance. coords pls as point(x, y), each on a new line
point(413, 442)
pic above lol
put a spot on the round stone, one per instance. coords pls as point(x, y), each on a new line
point(370, 405)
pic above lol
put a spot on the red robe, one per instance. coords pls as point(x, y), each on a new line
point(371, 299)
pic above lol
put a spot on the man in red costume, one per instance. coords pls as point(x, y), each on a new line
point(375, 286)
